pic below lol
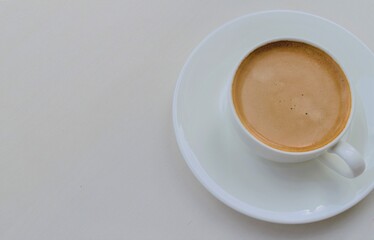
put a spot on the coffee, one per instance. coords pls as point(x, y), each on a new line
point(291, 96)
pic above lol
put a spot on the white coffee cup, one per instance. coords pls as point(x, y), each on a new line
point(355, 164)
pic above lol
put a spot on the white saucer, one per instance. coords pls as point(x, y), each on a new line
point(274, 192)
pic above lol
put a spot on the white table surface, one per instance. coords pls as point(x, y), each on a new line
point(87, 148)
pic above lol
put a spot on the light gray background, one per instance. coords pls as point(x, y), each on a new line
point(87, 149)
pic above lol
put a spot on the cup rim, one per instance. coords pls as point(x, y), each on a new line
point(301, 153)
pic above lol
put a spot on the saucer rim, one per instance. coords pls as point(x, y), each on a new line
point(200, 173)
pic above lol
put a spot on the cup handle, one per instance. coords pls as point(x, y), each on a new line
point(352, 158)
